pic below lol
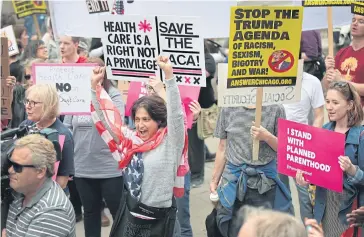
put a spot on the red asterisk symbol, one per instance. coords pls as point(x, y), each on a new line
point(145, 26)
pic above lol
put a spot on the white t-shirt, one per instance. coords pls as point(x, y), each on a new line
point(312, 96)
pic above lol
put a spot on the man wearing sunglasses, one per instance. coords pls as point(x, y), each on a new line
point(40, 207)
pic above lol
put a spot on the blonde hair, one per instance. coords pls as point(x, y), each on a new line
point(271, 223)
point(29, 62)
point(47, 94)
point(42, 152)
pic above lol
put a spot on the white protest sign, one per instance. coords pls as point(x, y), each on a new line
point(8, 32)
point(73, 83)
point(73, 18)
point(97, 6)
point(246, 96)
point(131, 44)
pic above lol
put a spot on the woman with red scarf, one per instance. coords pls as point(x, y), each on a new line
point(153, 157)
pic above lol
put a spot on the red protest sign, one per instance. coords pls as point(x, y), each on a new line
point(188, 93)
point(306, 148)
point(281, 61)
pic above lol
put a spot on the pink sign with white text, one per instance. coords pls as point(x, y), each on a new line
point(315, 151)
point(188, 94)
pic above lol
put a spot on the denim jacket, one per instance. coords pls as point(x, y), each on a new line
point(236, 187)
point(354, 186)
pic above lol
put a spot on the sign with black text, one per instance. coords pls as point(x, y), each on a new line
point(97, 6)
point(131, 46)
point(73, 83)
point(357, 8)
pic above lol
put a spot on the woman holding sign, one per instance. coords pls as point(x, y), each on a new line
point(346, 115)
point(153, 158)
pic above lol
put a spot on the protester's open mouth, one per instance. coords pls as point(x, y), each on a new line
point(142, 133)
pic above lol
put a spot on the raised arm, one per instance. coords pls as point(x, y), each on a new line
point(107, 117)
point(175, 119)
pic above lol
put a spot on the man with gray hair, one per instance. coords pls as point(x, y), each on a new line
point(40, 207)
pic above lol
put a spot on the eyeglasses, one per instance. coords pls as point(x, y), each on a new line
point(18, 168)
point(42, 47)
point(27, 76)
point(31, 102)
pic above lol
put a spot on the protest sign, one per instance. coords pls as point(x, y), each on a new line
point(97, 6)
point(357, 8)
point(306, 148)
point(187, 93)
point(131, 46)
point(326, 3)
point(246, 96)
point(264, 46)
point(8, 32)
point(25, 8)
point(73, 83)
point(6, 92)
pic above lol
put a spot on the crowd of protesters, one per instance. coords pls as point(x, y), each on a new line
point(142, 171)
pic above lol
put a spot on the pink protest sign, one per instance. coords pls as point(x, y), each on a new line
point(306, 148)
point(61, 139)
point(188, 94)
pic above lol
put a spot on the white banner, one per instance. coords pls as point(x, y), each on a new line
point(246, 96)
point(8, 32)
point(73, 83)
point(132, 43)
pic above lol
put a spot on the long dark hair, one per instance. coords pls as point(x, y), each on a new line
point(106, 83)
point(155, 106)
point(31, 49)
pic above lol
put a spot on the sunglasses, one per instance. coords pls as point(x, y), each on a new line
point(18, 168)
point(27, 76)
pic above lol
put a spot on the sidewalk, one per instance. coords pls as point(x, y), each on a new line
point(200, 205)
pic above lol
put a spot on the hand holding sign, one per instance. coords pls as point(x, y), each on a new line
point(346, 165)
point(300, 179)
point(164, 64)
point(195, 108)
point(97, 76)
point(259, 133)
point(10, 81)
point(156, 84)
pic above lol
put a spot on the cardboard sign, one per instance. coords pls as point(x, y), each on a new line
point(357, 8)
point(264, 46)
point(6, 92)
point(8, 32)
point(306, 148)
point(188, 94)
point(25, 8)
point(246, 96)
point(326, 3)
point(132, 43)
point(97, 6)
point(73, 83)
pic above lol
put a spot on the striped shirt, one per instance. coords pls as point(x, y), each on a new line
point(49, 213)
point(234, 125)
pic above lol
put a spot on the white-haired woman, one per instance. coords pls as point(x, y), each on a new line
point(42, 107)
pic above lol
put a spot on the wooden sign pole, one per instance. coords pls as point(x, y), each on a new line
point(258, 119)
point(36, 24)
point(6, 92)
point(330, 31)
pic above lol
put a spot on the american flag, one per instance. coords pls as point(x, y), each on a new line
point(118, 7)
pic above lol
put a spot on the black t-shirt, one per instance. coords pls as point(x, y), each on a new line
point(66, 166)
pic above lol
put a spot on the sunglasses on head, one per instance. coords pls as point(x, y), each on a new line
point(18, 168)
